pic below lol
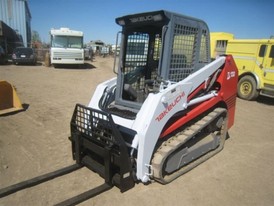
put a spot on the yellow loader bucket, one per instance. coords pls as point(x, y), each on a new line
point(9, 101)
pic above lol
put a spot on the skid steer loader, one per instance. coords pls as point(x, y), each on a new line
point(168, 110)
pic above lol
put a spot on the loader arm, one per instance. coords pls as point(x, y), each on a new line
point(150, 121)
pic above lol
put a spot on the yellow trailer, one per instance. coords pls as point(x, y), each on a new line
point(255, 62)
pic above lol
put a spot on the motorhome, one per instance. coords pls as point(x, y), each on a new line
point(66, 46)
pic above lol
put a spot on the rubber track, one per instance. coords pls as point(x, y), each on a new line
point(175, 142)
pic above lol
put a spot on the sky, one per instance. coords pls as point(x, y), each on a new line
point(246, 19)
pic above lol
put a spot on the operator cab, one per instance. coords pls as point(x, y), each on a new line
point(157, 49)
point(142, 43)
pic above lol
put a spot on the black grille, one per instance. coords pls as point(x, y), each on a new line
point(98, 144)
point(95, 125)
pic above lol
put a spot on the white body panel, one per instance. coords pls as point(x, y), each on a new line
point(66, 56)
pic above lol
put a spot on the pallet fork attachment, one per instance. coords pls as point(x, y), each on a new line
point(49, 176)
point(85, 196)
point(98, 145)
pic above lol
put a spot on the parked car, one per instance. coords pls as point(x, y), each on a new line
point(24, 55)
point(3, 56)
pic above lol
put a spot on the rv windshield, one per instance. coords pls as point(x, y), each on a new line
point(67, 42)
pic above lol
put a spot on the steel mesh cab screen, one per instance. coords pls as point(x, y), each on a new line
point(182, 57)
point(183, 51)
point(136, 59)
point(95, 125)
point(141, 60)
point(204, 49)
point(136, 51)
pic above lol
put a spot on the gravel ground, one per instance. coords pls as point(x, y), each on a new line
point(35, 141)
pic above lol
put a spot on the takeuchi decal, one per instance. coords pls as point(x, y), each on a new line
point(170, 107)
point(141, 19)
point(230, 75)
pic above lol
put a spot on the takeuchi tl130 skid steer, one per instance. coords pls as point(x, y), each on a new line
point(168, 110)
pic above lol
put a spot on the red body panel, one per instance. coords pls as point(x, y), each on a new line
point(226, 97)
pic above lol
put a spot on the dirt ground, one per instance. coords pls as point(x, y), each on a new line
point(35, 141)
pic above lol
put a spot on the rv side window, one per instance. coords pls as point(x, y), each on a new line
point(262, 50)
point(271, 54)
